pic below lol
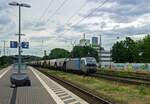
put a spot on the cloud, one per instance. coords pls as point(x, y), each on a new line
point(116, 31)
point(133, 2)
point(34, 26)
point(59, 29)
point(115, 18)
point(7, 24)
point(122, 10)
point(42, 38)
point(39, 29)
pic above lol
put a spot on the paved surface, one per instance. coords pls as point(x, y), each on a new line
point(5, 90)
point(58, 92)
point(42, 90)
point(4, 71)
point(35, 94)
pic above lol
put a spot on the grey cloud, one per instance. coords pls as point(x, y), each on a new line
point(128, 31)
point(35, 26)
point(4, 4)
point(80, 28)
point(136, 30)
point(116, 31)
point(4, 20)
point(59, 29)
point(88, 27)
point(40, 38)
point(39, 29)
point(123, 10)
point(95, 1)
point(134, 2)
point(39, 24)
point(63, 38)
point(102, 25)
point(7, 25)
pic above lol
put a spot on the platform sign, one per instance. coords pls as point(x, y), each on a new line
point(25, 45)
point(13, 44)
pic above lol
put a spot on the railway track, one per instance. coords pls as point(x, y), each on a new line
point(130, 77)
point(129, 80)
point(124, 79)
point(81, 92)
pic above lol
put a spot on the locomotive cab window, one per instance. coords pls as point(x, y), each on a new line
point(83, 62)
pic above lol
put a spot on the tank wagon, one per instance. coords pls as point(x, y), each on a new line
point(85, 65)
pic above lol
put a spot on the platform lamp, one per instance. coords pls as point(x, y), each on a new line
point(19, 39)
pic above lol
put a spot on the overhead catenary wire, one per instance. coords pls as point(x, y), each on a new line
point(61, 5)
point(90, 13)
point(100, 5)
point(74, 14)
point(46, 9)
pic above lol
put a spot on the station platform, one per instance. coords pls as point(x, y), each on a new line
point(43, 90)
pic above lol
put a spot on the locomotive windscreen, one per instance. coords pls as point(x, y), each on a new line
point(90, 60)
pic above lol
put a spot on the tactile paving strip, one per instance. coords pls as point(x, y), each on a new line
point(65, 95)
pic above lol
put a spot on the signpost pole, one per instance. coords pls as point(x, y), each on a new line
point(19, 40)
point(100, 45)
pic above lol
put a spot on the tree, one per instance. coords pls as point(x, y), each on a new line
point(139, 51)
point(84, 51)
point(118, 52)
point(132, 51)
point(146, 49)
point(59, 53)
point(125, 51)
point(5, 60)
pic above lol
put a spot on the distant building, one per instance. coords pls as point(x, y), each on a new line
point(84, 42)
point(94, 41)
point(104, 55)
point(106, 59)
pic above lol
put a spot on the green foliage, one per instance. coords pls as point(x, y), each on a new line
point(114, 91)
point(130, 51)
point(84, 51)
point(28, 58)
point(129, 68)
point(143, 90)
point(5, 60)
point(59, 53)
point(146, 49)
point(124, 51)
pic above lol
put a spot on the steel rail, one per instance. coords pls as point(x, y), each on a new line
point(122, 79)
point(97, 99)
point(129, 77)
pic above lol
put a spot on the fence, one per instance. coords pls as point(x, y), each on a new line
point(129, 66)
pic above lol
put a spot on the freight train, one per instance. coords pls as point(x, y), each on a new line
point(86, 65)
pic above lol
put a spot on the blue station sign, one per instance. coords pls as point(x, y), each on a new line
point(13, 44)
point(25, 45)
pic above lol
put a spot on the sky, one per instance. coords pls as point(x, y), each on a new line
point(50, 24)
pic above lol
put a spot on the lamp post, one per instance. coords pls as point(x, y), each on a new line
point(100, 46)
point(19, 38)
